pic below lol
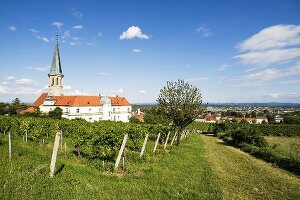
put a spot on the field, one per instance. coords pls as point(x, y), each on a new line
point(201, 167)
point(287, 146)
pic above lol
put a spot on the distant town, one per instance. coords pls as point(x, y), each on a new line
point(253, 113)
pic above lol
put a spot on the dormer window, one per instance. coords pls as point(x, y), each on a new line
point(77, 110)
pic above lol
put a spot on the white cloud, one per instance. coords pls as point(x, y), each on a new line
point(73, 43)
point(104, 74)
point(291, 82)
point(4, 83)
point(117, 91)
point(33, 30)
point(76, 92)
point(275, 95)
point(99, 34)
point(57, 24)
point(204, 31)
point(258, 78)
point(25, 81)
point(10, 78)
point(77, 13)
point(278, 36)
point(78, 27)
point(142, 92)
point(42, 69)
point(67, 87)
point(286, 97)
point(136, 50)
point(45, 39)
point(272, 56)
point(4, 89)
point(75, 38)
point(66, 35)
point(273, 45)
point(223, 67)
point(26, 91)
point(19, 90)
point(12, 28)
point(38, 35)
point(133, 32)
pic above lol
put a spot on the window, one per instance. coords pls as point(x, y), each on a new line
point(128, 116)
point(100, 109)
point(52, 81)
point(90, 110)
point(51, 109)
point(90, 119)
point(67, 110)
point(114, 110)
point(57, 81)
point(77, 110)
point(100, 118)
point(128, 109)
point(114, 118)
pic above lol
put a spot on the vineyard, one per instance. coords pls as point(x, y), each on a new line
point(97, 141)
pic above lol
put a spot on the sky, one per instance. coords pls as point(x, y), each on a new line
point(233, 51)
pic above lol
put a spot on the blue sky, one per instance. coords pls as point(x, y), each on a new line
point(234, 51)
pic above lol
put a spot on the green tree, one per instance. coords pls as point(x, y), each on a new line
point(56, 113)
point(181, 103)
point(155, 115)
point(16, 101)
point(133, 119)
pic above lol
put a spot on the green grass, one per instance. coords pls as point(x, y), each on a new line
point(202, 167)
point(179, 173)
point(287, 146)
point(242, 176)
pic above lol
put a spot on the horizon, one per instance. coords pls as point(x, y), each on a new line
point(234, 52)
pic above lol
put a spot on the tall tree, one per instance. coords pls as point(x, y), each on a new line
point(181, 103)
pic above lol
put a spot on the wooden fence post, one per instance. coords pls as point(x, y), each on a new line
point(173, 138)
point(144, 145)
point(54, 153)
point(9, 145)
point(61, 140)
point(167, 140)
point(121, 151)
point(26, 136)
point(155, 146)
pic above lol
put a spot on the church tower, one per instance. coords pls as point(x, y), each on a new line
point(55, 86)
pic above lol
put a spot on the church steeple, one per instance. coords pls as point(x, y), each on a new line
point(55, 87)
point(56, 66)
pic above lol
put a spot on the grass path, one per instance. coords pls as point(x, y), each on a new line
point(242, 176)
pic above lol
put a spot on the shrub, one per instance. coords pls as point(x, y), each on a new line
point(247, 135)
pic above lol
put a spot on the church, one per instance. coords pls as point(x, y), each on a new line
point(90, 108)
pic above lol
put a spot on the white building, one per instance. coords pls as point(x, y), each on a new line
point(90, 108)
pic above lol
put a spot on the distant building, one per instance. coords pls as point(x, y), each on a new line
point(249, 120)
point(90, 108)
point(278, 119)
point(139, 115)
point(260, 120)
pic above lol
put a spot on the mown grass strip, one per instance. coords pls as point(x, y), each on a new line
point(242, 176)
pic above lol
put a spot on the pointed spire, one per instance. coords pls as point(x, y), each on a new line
point(56, 66)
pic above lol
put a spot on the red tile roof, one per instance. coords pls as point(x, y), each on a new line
point(40, 100)
point(80, 101)
point(119, 101)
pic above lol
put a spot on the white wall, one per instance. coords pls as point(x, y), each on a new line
point(93, 113)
